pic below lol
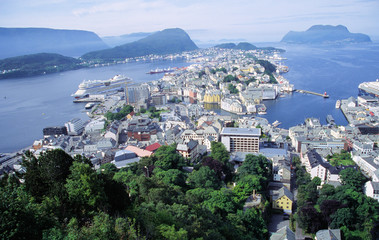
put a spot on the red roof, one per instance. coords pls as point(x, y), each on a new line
point(153, 147)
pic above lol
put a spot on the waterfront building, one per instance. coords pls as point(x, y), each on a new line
point(75, 126)
point(231, 105)
point(241, 139)
point(212, 97)
point(52, 131)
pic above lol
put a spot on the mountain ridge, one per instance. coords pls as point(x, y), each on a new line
point(24, 41)
point(325, 34)
point(167, 41)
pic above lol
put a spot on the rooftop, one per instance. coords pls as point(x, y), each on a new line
point(241, 131)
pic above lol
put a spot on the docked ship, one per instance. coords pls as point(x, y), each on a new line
point(87, 87)
point(338, 103)
point(369, 89)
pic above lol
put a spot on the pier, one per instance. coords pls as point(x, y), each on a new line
point(314, 93)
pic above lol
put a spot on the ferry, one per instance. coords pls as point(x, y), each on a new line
point(338, 104)
point(116, 83)
point(89, 105)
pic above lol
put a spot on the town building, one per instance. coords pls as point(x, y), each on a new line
point(282, 199)
point(241, 139)
point(74, 127)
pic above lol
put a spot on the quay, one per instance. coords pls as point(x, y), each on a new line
point(314, 93)
point(88, 99)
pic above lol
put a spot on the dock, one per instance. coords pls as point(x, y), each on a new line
point(88, 100)
point(314, 93)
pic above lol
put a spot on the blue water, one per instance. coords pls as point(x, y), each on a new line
point(337, 70)
point(27, 105)
point(34, 103)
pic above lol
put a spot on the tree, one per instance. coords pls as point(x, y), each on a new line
point(204, 177)
point(232, 89)
point(85, 189)
point(21, 217)
point(309, 219)
point(329, 207)
point(219, 152)
point(246, 186)
point(47, 175)
point(171, 177)
point(342, 217)
point(169, 232)
point(167, 158)
point(215, 165)
point(256, 165)
point(221, 202)
point(353, 178)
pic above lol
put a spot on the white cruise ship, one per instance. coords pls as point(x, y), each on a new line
point(87, 87)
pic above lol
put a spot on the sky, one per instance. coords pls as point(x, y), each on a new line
point(204, 20)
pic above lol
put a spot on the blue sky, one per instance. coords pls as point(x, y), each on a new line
point(205, 20)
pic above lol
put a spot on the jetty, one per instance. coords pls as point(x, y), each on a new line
point(314, 93)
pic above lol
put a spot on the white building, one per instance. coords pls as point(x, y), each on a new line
point(371, 189)
point(75, 126)
point(241, 139)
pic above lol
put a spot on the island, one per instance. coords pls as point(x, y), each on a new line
point(37, 64)
point(319, 34)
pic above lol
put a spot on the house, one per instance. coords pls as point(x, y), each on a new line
point(153, 147)
point(328, 234)
point(138, 151)
point(113, 131)
point(124, 157)
point(188, 149)
point(285, 233)
point(282, 199)
point(371, 189)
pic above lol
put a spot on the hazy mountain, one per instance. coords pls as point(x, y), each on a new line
point(167, 41)
point(22, 41)
point(114, 41)
point(37, 64)
point(325, 34)
point(241, 46)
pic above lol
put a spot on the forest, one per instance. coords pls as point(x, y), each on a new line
point(60, 197)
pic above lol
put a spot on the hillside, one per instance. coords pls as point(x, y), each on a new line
point(247, 46)
point(163, 42)
point(241, 46)
point(114, 41)
point(23, 41)
point(325, 34)
point(36, 64)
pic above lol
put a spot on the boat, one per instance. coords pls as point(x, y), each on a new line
point(330, 119)
point(87, 87)
point(338, 103)
point(276, 123)
point(89, 105)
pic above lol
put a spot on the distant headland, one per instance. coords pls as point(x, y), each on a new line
point(325, 34)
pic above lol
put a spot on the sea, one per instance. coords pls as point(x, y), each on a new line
point(27, 105)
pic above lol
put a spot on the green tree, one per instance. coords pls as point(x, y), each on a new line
point(21, 217)
point(256, 165)
point(246, 186)
point(221, 202)
point(353, 178)
point(172, 177)
point(170, 233)
point(47, 175)
point(85, 189)
point(167, 158)
point(204, 177)
point(219, 152)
